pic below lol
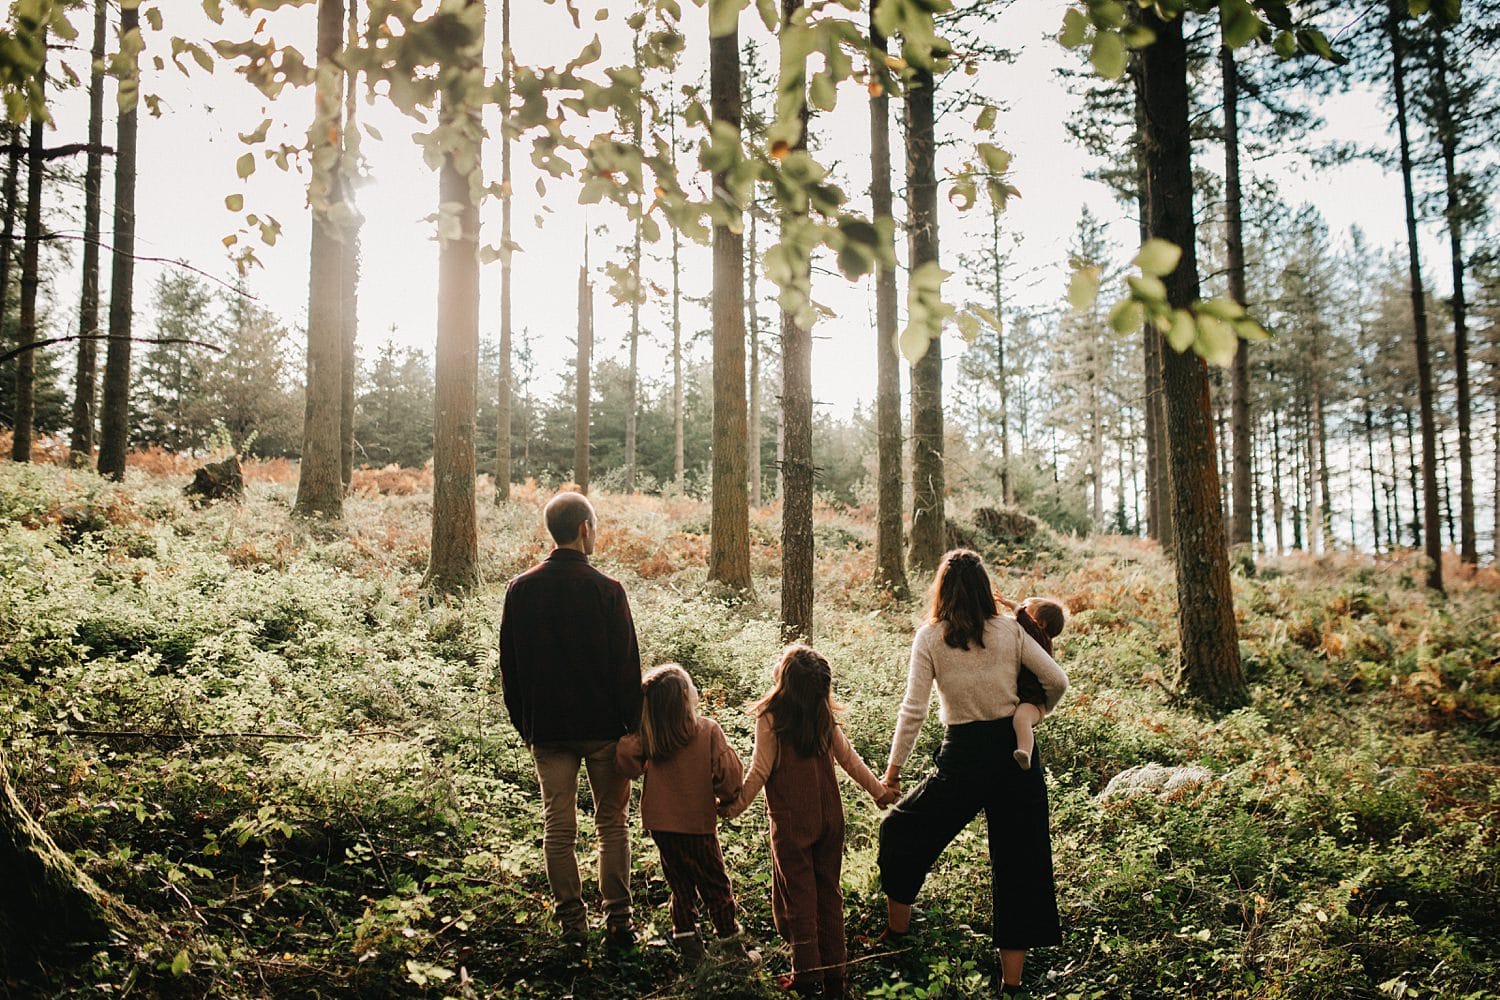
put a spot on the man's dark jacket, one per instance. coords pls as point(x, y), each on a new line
point(568, 656)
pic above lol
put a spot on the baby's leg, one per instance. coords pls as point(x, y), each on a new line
point(1026, 717)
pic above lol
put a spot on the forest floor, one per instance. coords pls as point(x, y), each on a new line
point(257, 731)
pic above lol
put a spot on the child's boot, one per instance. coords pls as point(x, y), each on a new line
point(733, 950)
point(690, 946)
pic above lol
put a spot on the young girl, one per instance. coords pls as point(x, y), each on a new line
point(690, 769)
point(797, 742)
point(1043, 619)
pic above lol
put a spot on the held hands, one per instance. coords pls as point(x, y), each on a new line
point(887, 798)
point(892, 782)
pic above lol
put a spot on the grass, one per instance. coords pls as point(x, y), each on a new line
point(309, 783)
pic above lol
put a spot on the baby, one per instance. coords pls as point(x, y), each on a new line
point(1043, 619)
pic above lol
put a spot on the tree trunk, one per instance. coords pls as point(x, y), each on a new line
point(890, 566)
point(502, 406)
point(320, 481)
point(1239, 525)
point(114, 416)
point(679, 471)
point(752, 310)
point(85, 381)
point(581, 371)
point(48, 903)
point(1315, 501)
point(632, 390)
point(1374, 490)
point(8, 227)
point(1414, 474)
point(796, 412)
point(1002, 374)
point(729, 518)
point(1210, 664)
point(348, 275)
point(1278, 501)
point(25, 400)
point(1158, 473)
point(454, 566)
point(1468, 549)
point(1430, 512)
point(928, 529)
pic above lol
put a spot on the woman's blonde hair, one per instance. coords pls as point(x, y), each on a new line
point(669, 716)
point(800, 701)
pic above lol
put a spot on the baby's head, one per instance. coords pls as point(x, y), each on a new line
point(1046, 612)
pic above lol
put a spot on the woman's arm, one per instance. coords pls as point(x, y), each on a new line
point(914, 706)
point(1035, 659)
point(762, 760)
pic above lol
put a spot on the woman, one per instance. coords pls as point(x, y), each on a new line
point(973, 655)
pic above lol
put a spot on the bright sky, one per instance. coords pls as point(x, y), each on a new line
point(187, 167)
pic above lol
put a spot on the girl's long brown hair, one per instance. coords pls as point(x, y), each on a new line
point(668, 719)
point(962, 598)
point(800, 701)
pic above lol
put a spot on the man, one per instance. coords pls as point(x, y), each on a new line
point(572, 677)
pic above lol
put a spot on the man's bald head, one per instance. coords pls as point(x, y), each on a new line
point(565, 514)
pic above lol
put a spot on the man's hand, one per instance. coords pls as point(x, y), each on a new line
point(888, 797)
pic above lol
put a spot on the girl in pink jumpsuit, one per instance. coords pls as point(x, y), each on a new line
point(797, 743)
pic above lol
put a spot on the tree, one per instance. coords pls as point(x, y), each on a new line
point(581, 373)
point(349, 266)
point(320, 483)
point(928, 527)
point(172, 407)
point(503, 406)
point(729, 517)
point(1431, 526)
point(454, 564)
point(1209, 648)
point(25, 395)
point(1239, 530)
point(85, 381)
point(114, 416)
point(890, 565)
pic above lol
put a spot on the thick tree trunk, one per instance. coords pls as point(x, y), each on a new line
point(48, 903)
point(729, 517)
point(320, 481)
point(114, 415)
point(890, 558)
point(1210, 664)
point(25, 399)
point(502, 406)
point(928, 525)
point(85, 380)
point(348, 276)
point(796, 417)
point(1430, 512)
point(1239, 525)
point(454, 565)
point(1468, 549)
point(581, 373)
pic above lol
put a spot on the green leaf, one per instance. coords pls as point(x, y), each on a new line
point(1148, 287)
point(1083, 288)
point(986, 120)
point(1416, 8)
point(245, 165)
point(1075, 28)
point(1248, 329)
point(769, 15)
point(1158, 257)
point(1182, 331)
point(1216, 342)
point(1108, 55)
point(913, 344)
point(995, 158)
point(1137, 36)
point(1222, 308)
point(822, 92)
point(234, 202)
point(1127, 315)
point(1285, 44)
point(181, 963)
point(1239, 22)
point(153, 18)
